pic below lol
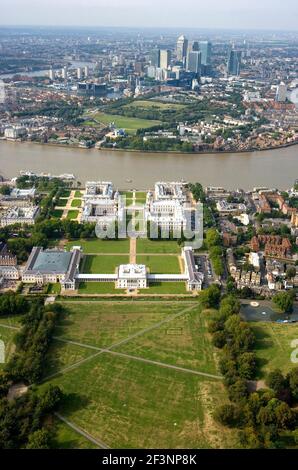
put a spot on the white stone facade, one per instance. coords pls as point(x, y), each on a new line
point(102, 204)
point(166, 206)
point(19, 215)
point(132, 276)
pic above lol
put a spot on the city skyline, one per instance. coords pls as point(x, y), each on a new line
point(267, 15)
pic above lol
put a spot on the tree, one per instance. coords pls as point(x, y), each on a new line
point(276, 380)
point(247, 365)
point(219, 339)
point(212, 237)
point(5, 190)
point(238, 391)
point(284, 301)
point(291, 272)
point(228, 415)
point(39, 439)
point(209, 298)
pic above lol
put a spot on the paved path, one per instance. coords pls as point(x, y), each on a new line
point(133, 251)
point(83, 433)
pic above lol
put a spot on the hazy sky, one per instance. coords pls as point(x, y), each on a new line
point(267, 14)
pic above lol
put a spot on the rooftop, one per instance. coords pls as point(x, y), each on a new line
point(50, 261)
point(132, 271)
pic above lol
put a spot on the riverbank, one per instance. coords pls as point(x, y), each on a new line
point(178, 152)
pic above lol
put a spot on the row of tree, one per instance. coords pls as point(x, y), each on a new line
point(23, 419)
point(264, 415)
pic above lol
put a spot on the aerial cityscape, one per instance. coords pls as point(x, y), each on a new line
point(148, 229)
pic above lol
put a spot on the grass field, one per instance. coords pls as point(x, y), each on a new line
point(163, 264)
point(131, 125)
point(76, 203)
point(127, 403)
point(273, 346)
point(78, 194)
point(166, 288)
point(102, 264)
point(54, 288)
point(183, 342)
point(72, 214)
point(66, 438)
point(159, 246)
point(96, 245)
point(150, 104)
point(104, 323)
point(127, 194)
point(99, 288)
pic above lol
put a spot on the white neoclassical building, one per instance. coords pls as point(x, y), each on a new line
point(166, 206)
point(132, 276)
point(19, 215)
point(102, 204)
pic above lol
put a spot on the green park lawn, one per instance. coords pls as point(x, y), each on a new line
point(145, 245)
point(102, 264)
point(165, 288)
point(129, 404)
point(95, 246)
point(54, 289)
point(183, 342)
point(160, 264)
point(132, 404)
point(78, 194)
point(67, 438)
point(99, 288)
point(72, 214)
point(273, 346)
point(104, 323)
point(131, 125)
point(151, 104)
point(76, 203)
point(127, 194)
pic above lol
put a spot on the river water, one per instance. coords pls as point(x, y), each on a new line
point(273, 168)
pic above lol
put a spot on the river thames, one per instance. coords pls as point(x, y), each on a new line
point(273, 168)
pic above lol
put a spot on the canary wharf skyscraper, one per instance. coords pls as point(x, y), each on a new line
point(234, 62)
point(182, 46)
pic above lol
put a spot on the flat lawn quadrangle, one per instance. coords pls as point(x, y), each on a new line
point(97, 246)
point(100, 288)
point(104, 264)
point(102, 358)
point(162, 264)
point(145, 245)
